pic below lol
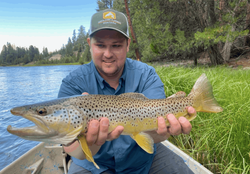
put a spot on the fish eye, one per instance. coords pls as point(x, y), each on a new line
point(42, 111)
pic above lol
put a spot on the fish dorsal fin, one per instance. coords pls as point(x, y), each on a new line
point(86, 150)
point(134, 95)
point(145, 141)
point(178, 94)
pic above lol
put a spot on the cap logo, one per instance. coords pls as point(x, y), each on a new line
point(109, 15)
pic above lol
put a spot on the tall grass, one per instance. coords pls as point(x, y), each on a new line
point(221, 142)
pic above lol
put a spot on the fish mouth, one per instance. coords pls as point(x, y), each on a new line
point(39, 131)
point(27, 132)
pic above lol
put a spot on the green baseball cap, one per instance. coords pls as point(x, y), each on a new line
point(109, 19)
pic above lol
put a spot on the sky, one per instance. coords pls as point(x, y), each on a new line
point(47, 23)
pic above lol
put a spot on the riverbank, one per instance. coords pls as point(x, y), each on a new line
point(242, 61)
point(39, 64)
point(52, 64)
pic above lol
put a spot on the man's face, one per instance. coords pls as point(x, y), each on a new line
point(108, 50)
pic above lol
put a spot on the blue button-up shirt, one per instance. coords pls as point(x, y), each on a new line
point(122, 154)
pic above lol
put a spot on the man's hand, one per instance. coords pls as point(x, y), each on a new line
point(98, 132)
point(96, 136)
point(176, 127)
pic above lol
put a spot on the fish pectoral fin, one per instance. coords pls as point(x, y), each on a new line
point(145, 141)
point(86, 150)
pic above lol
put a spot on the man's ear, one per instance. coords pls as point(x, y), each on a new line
point(88, 40)
point(129, 40)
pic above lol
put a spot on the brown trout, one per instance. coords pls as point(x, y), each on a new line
point(64, 120)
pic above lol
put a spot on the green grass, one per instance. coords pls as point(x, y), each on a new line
point(221, 142)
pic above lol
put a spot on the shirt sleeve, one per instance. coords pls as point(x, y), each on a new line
point(153, 87)
point(70, 86)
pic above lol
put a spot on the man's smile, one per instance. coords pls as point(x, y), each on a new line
point(108, 61)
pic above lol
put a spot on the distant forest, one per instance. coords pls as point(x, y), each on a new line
point(72, 52)
point(164, 30)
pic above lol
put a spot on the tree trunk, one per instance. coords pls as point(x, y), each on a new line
point(227, 47)
point(214, 55)
point(247, 38)
point(132, 32)
point(213, 50)
point(194, 54)
point(222, 5)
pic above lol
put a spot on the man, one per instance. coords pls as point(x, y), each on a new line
point(111, 73)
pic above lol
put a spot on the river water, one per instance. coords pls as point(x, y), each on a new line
point(21, 86)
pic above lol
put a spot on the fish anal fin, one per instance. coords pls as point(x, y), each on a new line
point(145, 141)
point(86, 150)
point(134, 95)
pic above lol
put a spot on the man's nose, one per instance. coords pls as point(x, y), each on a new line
point(108, 52)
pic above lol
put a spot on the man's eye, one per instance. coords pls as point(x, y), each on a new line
point(100, 45)
point(116, 46)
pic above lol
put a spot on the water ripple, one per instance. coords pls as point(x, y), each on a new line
point(21, 86)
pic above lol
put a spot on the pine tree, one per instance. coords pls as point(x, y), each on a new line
point(81, 38)
point(104, 4)
point(31, 53)
point(45, 52)
point(3, 55)
point(69, 48)
point(75, 47)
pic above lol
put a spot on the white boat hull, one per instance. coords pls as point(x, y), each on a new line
point(47, 159)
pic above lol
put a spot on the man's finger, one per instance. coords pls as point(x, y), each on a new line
point(92, 133)
point(185, 124)
point(103, 131)
point(191, 110)
point(175, 127)
point(162, 129)
point(115, 133)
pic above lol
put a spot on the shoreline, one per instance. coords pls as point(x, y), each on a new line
point(28, 65)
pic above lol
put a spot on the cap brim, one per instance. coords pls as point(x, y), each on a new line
point(111, 28)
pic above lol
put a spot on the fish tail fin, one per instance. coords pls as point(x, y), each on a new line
point(202, 95)
point(86, 150)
